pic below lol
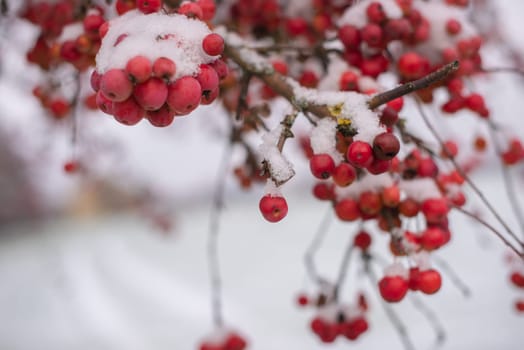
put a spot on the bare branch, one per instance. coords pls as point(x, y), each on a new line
point(431, 317)
point(315, 244)
point(452, 275)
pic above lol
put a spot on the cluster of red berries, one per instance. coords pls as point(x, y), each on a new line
point(145, 89)
point(514, 154)
point(393, 288)
point(53, 102)
point(53, 20)
point(231, 341)
point(202, 9)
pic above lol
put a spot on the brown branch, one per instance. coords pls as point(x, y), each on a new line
point(279, 84)
point(509, 184)
point(465, 176)
point(287, 124)
point(422, 83)
point(492, 229)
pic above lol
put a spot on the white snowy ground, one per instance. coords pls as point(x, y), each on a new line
point(111, 283)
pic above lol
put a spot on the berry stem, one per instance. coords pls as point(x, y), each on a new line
point(342, 272)
point(452, 275)
point(468, 180)
point(213, 235)
point(509, 184)
point(492, 229)
point(318, 238)
point(432, 318)
point(392, 316)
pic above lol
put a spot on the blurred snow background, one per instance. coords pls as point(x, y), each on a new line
point(111, 281)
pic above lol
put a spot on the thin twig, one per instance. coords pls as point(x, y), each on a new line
point(463, 173)
point(244, 86)
point(74, 119)
point(286, 133)
point(512, 70)
point(452, 275)
point(492, 229)
point(309, 259)
point(432, 318)
point(509, 184)
point(393, 317)
point(342, 272)
point(212, 244)
point(412, 86)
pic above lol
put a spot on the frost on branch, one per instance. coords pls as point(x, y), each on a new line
point(154, 35)
point(280, 169)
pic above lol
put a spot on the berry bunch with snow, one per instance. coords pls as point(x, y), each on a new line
point(156, 66)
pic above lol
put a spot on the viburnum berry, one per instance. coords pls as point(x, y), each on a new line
point(369, 203)
point(184, 95)
point(151, 94)
point(164, 68)
point(273, 208)
point(139, 69)
point(375, 12)
point(517, 279)
point(324, 191)
point(71, 166)
point(373, 35)
point(191, 10)
point(434, 237)
point(435, 210)
point(213, 44)
point(519, 305)
point(208, 79)
point(427, 167)
point(393, 288)
point(103, 103)
point(128, 112)
point(391, 196)
point(429, 281)
point(412, 66)
point(350, 36)
point(302, 299)
point(148, 6)
point(322, 165)
point(385, 146)
point(453, 27)
point(115, 85)
point(347, 209)
point(362, 240)
point(360, 154)
point(348, 81)
point(344, 174)
point(161, 117)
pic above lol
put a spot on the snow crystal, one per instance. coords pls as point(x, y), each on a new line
point(154, 35)
point(272, 189)
point(281, 169)
point(323, 139)
point(420, 189)
point(396, 269)
point(354, 107)
point(367, 183)
point(356, 15)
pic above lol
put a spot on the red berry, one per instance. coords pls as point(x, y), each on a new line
point(71, 166)
point(435, 210)
point(103, 103)
point(149, 6)
point(350, 36)
point(348, 81)
point(191, 10)
point(347, 210)
point(517, 279)
point(453, 26)
point(385, 146)
point(373, 35)
point(208, 79)
point(429, 281)
point(164, 68)
point(235, 342)
point(213, 44)
point(184, 95)
point(369, 203)
point(208, 9)
point(391, 196)
point(362, 240)
point(139, 69)
point(324, 191)
point(519, 306)
point(412, 66)
point(95, 80)
point(273, 208)
point(160, 118)
point(393, 288)
point(375, 12)
point(302, 300)
point(344, 174)
point(360, 154)
point(151, 95)
point(433, 238)
point(115, 85)
point(128, 112)
point(322, 165)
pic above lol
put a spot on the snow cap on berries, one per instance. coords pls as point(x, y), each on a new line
point(154, 35)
